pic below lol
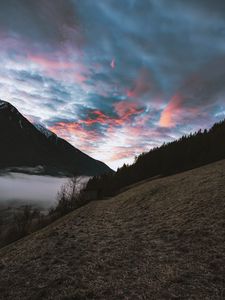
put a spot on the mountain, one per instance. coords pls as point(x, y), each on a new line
point(36, 149)
point(163, 239)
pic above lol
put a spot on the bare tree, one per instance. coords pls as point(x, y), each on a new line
point(68, 198)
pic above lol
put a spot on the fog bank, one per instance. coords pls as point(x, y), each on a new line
point(30, 189)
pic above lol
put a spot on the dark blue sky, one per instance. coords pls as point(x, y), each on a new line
point(115, 78)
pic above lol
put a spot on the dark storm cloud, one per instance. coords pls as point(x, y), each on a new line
point(212, 8)
point(207, 86)
point(41, 21)
point(164, 38)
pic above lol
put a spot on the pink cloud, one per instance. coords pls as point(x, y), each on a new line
point(177, 111)
point(79, 136)
point(119, 126)
point(123, 153)
point(51, 64)
point(113, 63)
point(173, 108)
point(125, 111)
point(73, 71)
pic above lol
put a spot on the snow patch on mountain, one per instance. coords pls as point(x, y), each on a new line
point(21, 125)
point(44, 130)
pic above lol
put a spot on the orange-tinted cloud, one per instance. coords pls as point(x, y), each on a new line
point(173, 108)
point(177, 111)
point(79, 136)
point(96, 116)
point(119, 125)
point(125, 111)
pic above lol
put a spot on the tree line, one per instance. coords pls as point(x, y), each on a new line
point(188, 152)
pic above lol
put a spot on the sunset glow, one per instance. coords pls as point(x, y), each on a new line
point(115, 78)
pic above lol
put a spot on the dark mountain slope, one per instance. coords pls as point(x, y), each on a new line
point(161, 240)
point(24, 145)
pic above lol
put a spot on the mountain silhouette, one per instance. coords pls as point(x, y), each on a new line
point(25, 146)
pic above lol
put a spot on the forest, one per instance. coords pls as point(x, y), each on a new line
point(188, 152)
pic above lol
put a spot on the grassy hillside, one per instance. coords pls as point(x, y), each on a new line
point(163, 239)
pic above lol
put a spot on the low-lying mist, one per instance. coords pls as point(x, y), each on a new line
point(17, 188)
point(29, 189)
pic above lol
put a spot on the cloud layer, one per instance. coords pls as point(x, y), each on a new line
point(115, 78)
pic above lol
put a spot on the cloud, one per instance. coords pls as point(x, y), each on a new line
point(115, 88)
point(198, 97)
point(94, 120)
point(173, 107)
point(142, 85)
point(51, 22)
point(113, 63)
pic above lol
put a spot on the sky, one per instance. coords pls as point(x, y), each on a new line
point(115, 78)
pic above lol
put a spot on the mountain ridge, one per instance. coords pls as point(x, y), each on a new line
point(25, 145)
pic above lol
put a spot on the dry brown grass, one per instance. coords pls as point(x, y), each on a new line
point(164, 239)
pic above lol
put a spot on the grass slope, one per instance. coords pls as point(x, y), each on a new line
point(164, 239)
